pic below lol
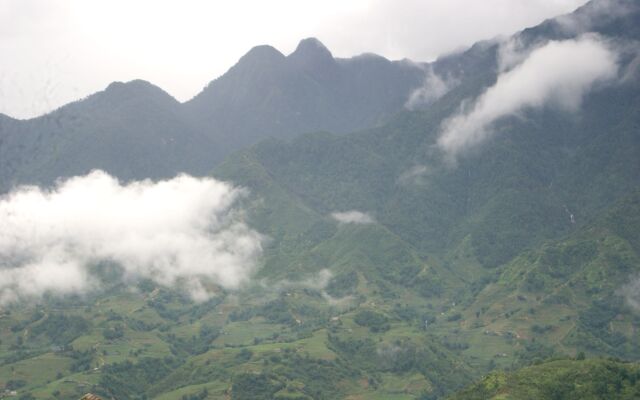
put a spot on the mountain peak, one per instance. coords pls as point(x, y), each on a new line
point(135, 88)
point(259, 58)
point(261, 54)
point(136, 83)
point(311, 50)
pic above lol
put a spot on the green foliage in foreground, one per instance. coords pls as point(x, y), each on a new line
point(556, 380)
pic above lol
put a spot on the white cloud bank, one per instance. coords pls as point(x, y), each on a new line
point(353, 217)
point(185, 230)
point(556, 74)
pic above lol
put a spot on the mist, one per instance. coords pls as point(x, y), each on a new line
point(433, 88)
point(556, 75)
point(353, 217)
point(415, 175)
point(631, 293)
point(184, 231)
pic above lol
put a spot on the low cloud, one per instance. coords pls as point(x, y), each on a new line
point(433, 88)
point(557, 74)
point(186, 231)
point(353, 217)
point(511, 53)
point(415, 175)
point(318, 281)
point(631, 293)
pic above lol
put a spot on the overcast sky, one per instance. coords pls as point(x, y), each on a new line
point(57, 51)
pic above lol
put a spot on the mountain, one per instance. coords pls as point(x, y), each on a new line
point(521, 246)
point(269, 95)
point(131, 129)
point(388, 172)
point(389, 270)
point(135, 130)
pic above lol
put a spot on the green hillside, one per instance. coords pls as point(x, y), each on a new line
point(562, 379)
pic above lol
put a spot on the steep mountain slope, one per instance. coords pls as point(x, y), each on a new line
point(132, 130)
point(529, 175)
point(268, 94)
point(136, 130)
point(550, 175)
point(572, 294)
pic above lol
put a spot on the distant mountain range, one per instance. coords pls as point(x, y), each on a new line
point(136, 130)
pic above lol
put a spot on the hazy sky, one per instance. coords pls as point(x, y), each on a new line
point(57, 51)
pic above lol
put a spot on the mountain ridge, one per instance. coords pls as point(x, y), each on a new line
point(264, 94)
